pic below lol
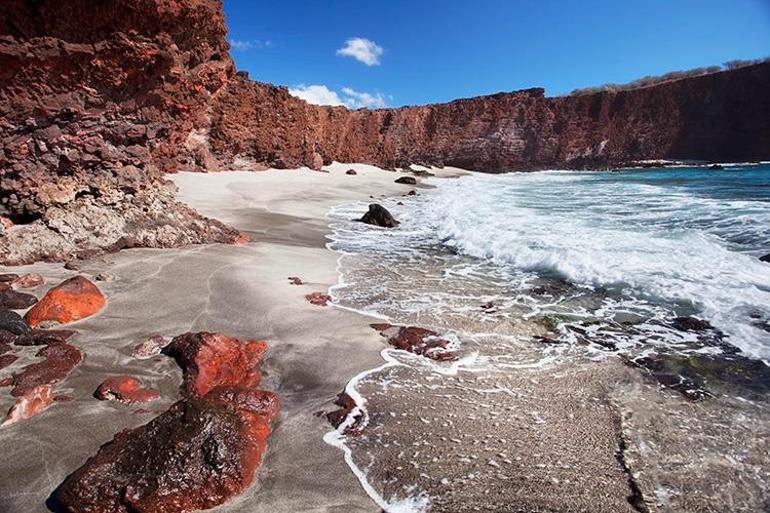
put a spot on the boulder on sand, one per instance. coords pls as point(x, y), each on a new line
point(351, 172)
point(72, 300)
point(408, 180)
point(765, 258)
point(196, 455)
point(9, 298)
point(379, 216)
point(125, 389)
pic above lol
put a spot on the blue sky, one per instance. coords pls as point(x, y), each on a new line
point(398, 52)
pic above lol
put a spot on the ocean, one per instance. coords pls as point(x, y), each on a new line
point(535, 279)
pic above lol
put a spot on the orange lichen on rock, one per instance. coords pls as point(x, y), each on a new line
point(30, 404)
point(72, 300)
point(125, 389)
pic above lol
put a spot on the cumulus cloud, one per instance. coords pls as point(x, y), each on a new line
point(362, 50)
point(316, 94)
point(356, 99)
point(243, 45)
point(321, 95)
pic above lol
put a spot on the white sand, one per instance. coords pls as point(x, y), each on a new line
point(239, 290)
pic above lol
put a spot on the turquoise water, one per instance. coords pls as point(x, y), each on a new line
point(642, 244)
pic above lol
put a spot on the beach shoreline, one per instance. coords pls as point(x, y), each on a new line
point(549, 428)
point(241, 291)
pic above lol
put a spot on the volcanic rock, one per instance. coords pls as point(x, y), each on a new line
point(31, 403)
point(765, 258)
point(13, 322)
point(416, 340)
point(29, 281)
point(346, 406)
point(318, 298)
point(125, 389)
point(408, 180)
point(150, 347)
point(212, 359)
point(351, 172)
point(690, 324)
point(9, 298)
point(194, 456)
point(8, 278)
point(295, 280)
point(59, 360)
point(379, 216)
point(7, 359)
point(71, 300)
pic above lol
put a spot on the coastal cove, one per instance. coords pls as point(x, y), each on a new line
point(521, 400)
point(280, 257)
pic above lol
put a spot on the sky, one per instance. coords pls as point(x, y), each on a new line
point(405, 52)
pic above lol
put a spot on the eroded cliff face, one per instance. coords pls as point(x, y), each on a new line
point(99, 98)
point(719, 117)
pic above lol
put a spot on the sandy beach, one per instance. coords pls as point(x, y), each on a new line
point(238, 290)
point(564, 436)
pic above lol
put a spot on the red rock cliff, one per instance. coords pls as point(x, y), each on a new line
point(719, 117)
point(99, 98)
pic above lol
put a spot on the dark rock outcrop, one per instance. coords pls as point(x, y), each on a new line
point(97, 100)
point(379, 216)
point(196, 455)
point(14, 300)
point(765, 258)
point(416, 340)
point(202, 451)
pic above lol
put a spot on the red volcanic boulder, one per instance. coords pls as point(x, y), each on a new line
point(408, 180)
point(379, 216)
point(416, 340)
point(125, 389)
point(150, 347)
point(72, 300)
point(9, 298)
point(59, 359)
point(29, 280)
point(194, 456)
point(30, 404)
point(318, 298)
point(209, 360)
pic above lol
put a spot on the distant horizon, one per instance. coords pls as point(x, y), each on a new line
point(421, 52)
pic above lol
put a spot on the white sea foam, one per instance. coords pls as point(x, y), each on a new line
point(654, 242)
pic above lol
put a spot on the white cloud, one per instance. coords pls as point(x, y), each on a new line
point(362, 50)
point(316, 94)
point(356, 100)
point(243, 45)
point(322, 95)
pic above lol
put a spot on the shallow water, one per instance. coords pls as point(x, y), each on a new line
point(532, 277)
point(619, 253)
